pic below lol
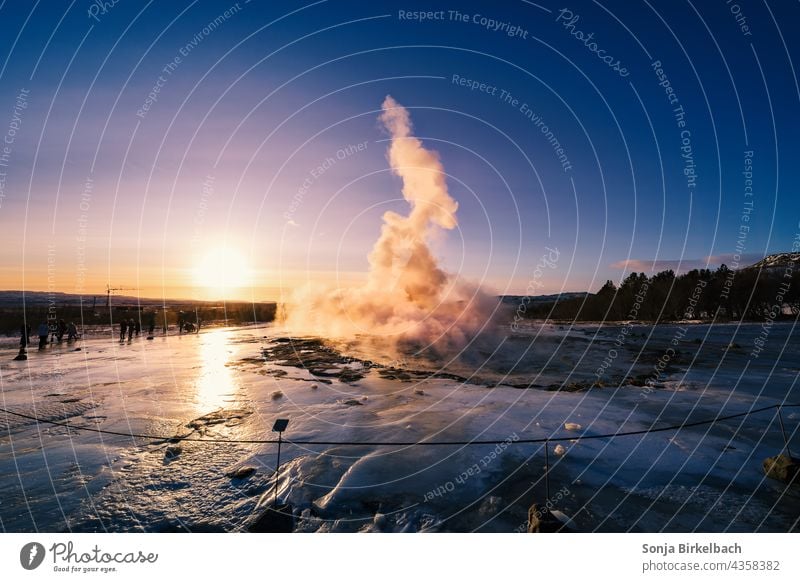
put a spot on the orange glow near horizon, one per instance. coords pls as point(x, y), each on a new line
point(222, 272)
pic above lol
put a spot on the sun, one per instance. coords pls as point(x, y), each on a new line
point(221, 271)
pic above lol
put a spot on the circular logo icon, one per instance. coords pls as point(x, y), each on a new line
point(31, 555)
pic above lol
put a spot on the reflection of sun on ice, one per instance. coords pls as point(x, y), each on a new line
point(215, 381)
point(221, 271)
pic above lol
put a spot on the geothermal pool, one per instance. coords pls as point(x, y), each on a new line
point(232, 383)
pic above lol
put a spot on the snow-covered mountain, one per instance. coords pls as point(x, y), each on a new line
point(776, 261)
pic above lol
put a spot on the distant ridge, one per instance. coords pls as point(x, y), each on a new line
point(775, 261)
point(14, 298)
point(546, 298)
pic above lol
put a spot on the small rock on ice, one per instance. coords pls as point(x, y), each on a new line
point(241, 472)
point(559, 450)
point(572, 426)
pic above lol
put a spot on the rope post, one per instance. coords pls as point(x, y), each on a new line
point(279, 426)
point(547, 472)
point(783, 432)
point(277, 472)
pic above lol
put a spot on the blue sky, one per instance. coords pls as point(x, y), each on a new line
point(264, 94)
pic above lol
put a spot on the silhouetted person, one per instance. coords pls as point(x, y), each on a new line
point(72, 332)
point(44, 332)
point(130, 329)
point(123, 325)
point(62, 329)
point(151, 324)
point(137, 326)
point(24, 333)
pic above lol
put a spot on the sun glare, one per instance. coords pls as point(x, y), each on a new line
point(220, 271)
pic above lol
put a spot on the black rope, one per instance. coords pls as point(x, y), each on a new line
point(403, 443)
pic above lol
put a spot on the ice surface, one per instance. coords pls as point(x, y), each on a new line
point(536, 383)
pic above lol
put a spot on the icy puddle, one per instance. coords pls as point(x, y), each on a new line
point(231, 384)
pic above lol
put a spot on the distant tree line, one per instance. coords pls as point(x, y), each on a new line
point(11, 318)
point(699, 294)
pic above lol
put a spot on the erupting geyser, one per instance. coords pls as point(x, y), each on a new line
point(407, 295)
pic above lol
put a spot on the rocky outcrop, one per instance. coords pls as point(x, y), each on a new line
point(240, 472)
point(275, 519)
point(782, 467)
point(541, 520)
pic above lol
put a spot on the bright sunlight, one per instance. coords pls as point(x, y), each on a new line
point(221, 271)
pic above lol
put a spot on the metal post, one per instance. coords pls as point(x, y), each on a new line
point(547, 472)
point(783, 432)
point(277, 471)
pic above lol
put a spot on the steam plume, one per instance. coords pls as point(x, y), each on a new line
point(407, 295)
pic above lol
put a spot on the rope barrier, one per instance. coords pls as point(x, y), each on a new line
point(403, 443)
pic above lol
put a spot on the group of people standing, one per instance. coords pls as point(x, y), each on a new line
point(134, 326)
point(130, 326)
point(56, 332)
point(45, 331)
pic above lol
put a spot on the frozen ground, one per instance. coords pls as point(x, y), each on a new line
point(232, 383)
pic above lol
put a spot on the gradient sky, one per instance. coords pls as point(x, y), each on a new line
point(261, 99)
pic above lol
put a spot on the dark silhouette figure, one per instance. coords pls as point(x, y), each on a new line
point(123, 326)
point(61, 330)
point(24, 333)
point(137, 327)
point(44, 332)
point(131, 325)
point(72, 332)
